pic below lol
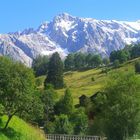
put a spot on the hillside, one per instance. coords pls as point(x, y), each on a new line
point(88, 82)
point(18, 129)
point(81, 82)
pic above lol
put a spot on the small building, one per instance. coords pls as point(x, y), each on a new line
point(82, 100)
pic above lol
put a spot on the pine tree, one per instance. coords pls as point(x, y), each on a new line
point(40, 65)
point(63, 125)
point(65, 104)
point(79, 60)
point(69, 62)
point(68, 102)
point(55, 72)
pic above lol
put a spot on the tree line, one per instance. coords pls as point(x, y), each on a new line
point(128, 53)
point(74, 61)
point(79, 61)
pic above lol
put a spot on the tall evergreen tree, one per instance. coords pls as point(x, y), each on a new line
point(65, 104)
point(89, 60)
point(120, 55)
point(69, 62)
point(55, 72)
point(62, 125)
point(135, 51)
point(79, 60)
point(40, 65)
point(68, 102)
point(96, 60)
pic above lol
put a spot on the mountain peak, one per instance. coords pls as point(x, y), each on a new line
point(43, 27)
point(63, 16)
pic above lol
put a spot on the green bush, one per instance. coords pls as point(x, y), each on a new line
point(116, 63)
point(137, 67)
point(92, 79)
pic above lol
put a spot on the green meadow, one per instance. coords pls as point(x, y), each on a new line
point(20, 130)
point(87, 82)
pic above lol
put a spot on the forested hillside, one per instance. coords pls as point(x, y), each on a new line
point(93, 87)
point(83, 95)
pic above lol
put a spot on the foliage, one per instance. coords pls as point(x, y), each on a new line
point(39, 81)
point(40, 65)
point(106, 61)
point(116, 63)
point(137, 67)
point(48, 97)
point(1, 110)
point(135, 51)
point(89, 60)
point(17, 85)
point(65, 104)
point(92, 79)
point(80, 121)
point(69, 62)
point(55, 72)
point(120, 55)
point(121, 106)
point(96, 128)
point(49, 127)
point(63, 125)
point(36, 113)
point(96, 60)
point(79, 60)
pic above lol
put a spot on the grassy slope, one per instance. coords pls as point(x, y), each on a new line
point(81, 82)
point(20, 130)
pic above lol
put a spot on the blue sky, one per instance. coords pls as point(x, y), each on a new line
point(20, 14)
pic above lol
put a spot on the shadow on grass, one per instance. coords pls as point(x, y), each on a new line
point(11, 133)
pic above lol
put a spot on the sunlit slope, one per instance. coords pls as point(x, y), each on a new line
point(89, 82)
point(20, 130)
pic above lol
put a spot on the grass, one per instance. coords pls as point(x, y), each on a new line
point(82, 83)
point(20, 130)
point(88, 82)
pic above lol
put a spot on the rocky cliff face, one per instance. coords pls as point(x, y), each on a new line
point(66, 34)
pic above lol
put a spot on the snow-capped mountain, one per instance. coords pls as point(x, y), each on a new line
point(66, 34)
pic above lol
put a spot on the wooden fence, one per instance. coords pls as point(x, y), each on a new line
point(72, 137)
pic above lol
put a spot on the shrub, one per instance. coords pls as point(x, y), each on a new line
point(137, 67)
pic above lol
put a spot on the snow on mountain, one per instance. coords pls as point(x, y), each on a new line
point(66, 34)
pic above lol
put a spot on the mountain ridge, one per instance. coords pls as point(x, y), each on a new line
point(66, 34)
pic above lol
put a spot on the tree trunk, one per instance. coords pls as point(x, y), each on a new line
point(6, 125)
